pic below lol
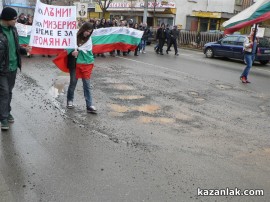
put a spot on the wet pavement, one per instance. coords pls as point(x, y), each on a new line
point(161, 132)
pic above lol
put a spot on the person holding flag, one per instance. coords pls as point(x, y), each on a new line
point(256, 13)
point(80, 64)
point(250, 47)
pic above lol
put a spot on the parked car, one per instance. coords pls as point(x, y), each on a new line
point(231, 46)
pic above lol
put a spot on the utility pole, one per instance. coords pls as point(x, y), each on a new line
point(145, 11)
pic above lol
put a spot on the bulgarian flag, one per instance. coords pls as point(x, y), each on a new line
point(115, 38)
point(258, 12)
point(106, 40)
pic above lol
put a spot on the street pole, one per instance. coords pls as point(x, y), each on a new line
point(145, 11)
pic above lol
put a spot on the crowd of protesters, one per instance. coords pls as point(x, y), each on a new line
point(168, 34)
point(164, 34)
point(25, 19)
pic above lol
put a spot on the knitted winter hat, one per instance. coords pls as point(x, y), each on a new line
point(8, 14)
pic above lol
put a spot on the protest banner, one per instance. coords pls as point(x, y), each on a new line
point(54, 26)
point(23, 30)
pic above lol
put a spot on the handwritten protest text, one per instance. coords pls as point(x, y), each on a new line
point(48, 24)
point(51, 41)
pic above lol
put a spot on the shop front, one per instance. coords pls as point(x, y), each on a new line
point(157, 13)
point(204, 21)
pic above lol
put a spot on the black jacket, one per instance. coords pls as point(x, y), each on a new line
point(146, 33)
point(4, 50)
point(174, 33)
point(161, 33)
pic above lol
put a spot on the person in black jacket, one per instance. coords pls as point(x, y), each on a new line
point(10, 61)
point(168, 36)
point(146, 34)
point(161, 37)
point(174, 37)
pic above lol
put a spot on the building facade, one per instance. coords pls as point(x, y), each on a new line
point(158, 11)
point(206, 15)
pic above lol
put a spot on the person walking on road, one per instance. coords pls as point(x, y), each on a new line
point(80, 64)
point(161, 37)
point(146, 34)
point(250, 48)
point(10, 60)
point(174, 35)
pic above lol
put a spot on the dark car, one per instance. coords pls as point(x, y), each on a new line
point(231, 46)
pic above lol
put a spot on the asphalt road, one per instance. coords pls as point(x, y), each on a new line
point(166, 126)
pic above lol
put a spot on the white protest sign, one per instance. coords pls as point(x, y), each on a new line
point(22, 29)
point(54, 26)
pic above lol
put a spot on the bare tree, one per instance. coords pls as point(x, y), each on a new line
point(104, 5)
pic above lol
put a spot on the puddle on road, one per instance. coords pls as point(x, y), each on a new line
point(129, 97)
point(59, 85)
point(150, 109)
point(161, 120)
point(223, 87)
point(122, 87)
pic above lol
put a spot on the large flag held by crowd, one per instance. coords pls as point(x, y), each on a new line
point(115, 38)
point(258, 12)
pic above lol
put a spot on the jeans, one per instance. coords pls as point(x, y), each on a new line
point(249, 60)
point(7, 83)
point(143, 44)
point(72, 86)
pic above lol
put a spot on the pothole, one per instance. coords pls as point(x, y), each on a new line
point(223, 87)
point(193, 94)
point(183, 117)
point(150, 109)
point(161, 120)
point(119, 108)
point(122, 87)
point(130, 97)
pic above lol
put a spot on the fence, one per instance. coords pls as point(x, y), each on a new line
point(194, 39)
point(191, 39)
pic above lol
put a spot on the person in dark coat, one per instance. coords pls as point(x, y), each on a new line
point(161, 37)
point(168, 36)
point(174, 36)
point(146, 34)
point(10, 61)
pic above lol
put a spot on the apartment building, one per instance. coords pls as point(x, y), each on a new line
point(205, 15)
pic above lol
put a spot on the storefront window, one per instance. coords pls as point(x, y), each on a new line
point(213, 24)
point(203, 24)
